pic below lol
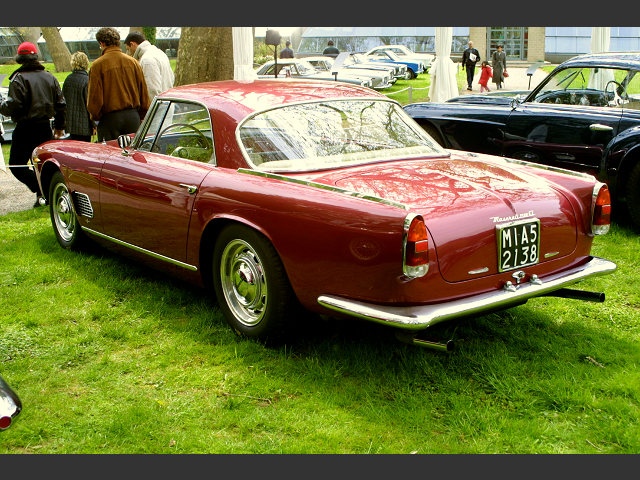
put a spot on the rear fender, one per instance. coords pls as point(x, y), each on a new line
point(620, 156)
point(334, 235)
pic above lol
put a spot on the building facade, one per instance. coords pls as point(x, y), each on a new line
point(525, 44)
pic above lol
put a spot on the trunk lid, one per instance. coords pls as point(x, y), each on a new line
point(463, 200)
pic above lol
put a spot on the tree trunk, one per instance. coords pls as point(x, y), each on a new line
point(204, 54)
point(57, 48)
point(29, 34)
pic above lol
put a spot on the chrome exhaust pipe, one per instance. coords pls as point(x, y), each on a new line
point(410, 338)
point(577, 295)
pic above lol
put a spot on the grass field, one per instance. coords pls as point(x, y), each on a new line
point(111, 357)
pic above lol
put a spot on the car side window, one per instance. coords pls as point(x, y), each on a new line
point(632, 86)
point(180, 129)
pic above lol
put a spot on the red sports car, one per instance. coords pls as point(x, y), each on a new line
point(281, 193)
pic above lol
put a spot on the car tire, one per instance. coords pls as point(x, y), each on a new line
point(63, 214)
point(251, 285)
point(633, 196)
point(411, 74)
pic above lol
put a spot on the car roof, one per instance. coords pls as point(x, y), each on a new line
point(286, 60)
point(607, 59)
point(239, 99)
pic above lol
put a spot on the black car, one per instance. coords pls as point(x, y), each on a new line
point(10, 405)
point(6, 124)
point(585, 116)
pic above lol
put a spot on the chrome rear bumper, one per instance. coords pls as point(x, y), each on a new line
point(422, 316)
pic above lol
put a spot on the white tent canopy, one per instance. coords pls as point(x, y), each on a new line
point(243, 54)
point(600, 40)
point(443, 71)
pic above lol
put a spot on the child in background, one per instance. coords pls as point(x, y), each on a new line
point(485, 75)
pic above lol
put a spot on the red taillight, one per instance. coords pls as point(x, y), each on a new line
point(601, 216)
point(5, 422)
point(416, 247)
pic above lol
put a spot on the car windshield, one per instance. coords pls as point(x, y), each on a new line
point(589, 86)
point(401, 51)
point(331, 134)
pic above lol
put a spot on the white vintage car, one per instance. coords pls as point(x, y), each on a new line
point(379, 78)
point(300, 68)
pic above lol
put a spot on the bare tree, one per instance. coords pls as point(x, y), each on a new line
point(57, 48)
point(204, 54)
point(30, 34)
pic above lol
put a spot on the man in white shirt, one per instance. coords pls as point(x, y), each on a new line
point(154, 62)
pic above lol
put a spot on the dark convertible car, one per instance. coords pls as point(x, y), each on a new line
point(584, 116)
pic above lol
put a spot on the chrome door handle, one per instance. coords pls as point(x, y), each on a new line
point(190, 188)
point(598, 127)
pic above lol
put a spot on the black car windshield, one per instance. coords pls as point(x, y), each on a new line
point(589, 86)
point(330, 134)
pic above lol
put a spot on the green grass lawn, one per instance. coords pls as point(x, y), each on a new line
point(111, 357)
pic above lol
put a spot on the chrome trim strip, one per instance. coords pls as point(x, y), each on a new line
point(478, 271)
point(422, 316)
point(142, 250)
point(322, 186)
point(548, 167)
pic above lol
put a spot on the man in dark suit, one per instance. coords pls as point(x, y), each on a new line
point(286, 51)
point(470, 57)
point(331, 50)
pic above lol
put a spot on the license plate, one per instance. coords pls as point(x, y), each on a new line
point(518, 244)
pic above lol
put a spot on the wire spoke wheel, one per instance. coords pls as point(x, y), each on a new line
point(63, 214)
point(251, 284)
point(244, 283)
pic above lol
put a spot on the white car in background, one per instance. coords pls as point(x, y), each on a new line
point(404, 51)
point(359, 60)
point(300, 68)
point(379, 78)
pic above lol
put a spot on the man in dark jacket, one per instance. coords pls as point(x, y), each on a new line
point(287, 52)
point(331, 50)
point(470, 57)
point(34, 98)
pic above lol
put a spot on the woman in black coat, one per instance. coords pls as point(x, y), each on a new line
point(499, 65)
point(79, 125)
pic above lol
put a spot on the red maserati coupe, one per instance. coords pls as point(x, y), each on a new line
point(284, 193)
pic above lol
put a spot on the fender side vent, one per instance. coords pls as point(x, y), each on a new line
point(83, 204)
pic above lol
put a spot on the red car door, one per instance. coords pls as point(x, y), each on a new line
point(146, 200)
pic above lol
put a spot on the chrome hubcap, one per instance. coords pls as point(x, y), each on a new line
point(63, 213)
point(243, 282)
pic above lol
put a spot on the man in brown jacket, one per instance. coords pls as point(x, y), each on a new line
point(117, 97)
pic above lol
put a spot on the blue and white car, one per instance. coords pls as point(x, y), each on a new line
point(384, 55)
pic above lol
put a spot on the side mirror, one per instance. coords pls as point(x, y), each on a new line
point(10, 405)
point(124, 141)
point(517, 100)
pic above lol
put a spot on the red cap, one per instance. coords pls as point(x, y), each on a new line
point(27, 47)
